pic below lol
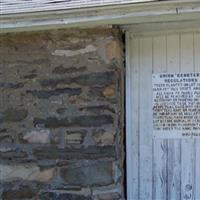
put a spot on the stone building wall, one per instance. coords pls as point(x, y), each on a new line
point(61, 115)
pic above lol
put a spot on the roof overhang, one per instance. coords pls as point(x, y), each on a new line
point(129, 14)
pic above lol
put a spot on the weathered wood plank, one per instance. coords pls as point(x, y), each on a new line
point(145, 117)
point(135, 122)
point(159, 145)
point(174, 145)
point(197, 142)
point(129, 172)
point(187, 145)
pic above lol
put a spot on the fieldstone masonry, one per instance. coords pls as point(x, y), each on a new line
point(61, 115)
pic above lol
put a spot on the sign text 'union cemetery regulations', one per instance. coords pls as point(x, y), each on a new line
point(176, 105)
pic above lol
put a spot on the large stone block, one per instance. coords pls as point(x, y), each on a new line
point(55, 195)
point(19, 194)
point(100, 173)
point(101, 78)
point(91, 152)
point(13, 115)
point(44, 94)
point(79, 121)
point(62, 70)
point(26, 172)
point(13, 155)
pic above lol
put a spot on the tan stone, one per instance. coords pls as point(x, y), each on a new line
point(74, 138)
point(45, 176)
point(25, 172)
point(113, 50)
point(104, 138)
point(38, 136)
point(76, 99)
point(109, 91)
point(70, 53)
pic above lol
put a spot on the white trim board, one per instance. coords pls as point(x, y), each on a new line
point(156, 28)
point(162, 11)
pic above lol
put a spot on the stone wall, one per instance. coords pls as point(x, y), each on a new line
point(61, 115)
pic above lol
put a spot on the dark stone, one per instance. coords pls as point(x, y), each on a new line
point(18, 194)
point(82, 121)
point(16, 86)
point(6, 139)
point(12, 85)
point(13, 155)
point(33, 62)
point(13, 115)
point(46, 94)
point(98, 109)
point(61, 196)
point(92, 152)
point(96, 92)
point(18, 189)
point(62, 70)
point(30, 76)
point(61, 110)
point(3, 130)
point(98, 174)
point(103, 78)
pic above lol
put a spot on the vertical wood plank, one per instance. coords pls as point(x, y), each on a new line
point(197, 142)
point(129, 94)
point(145, 117)
point(135, 122)
point(187, 145)
point(174, 145)
point(159, 145)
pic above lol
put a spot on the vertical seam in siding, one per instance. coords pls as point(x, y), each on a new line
point(167, 141)
point(139, 68)
point(153, 181)
point(180, 141)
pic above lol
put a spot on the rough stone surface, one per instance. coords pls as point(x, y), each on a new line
point(82, 121)
point(103, 137)
point(62, 196)
point(91, 152)
point(19, 194)
point(75, 137)
point(38, 136)
point(90, 175)
point(27, 172)
point(13, 115)
point(61, 115)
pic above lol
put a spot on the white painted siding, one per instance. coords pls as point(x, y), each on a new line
point(161, 169)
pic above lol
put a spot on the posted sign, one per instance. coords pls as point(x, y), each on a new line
point(176, 105)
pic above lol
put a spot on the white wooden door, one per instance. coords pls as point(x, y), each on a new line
point(159, 169)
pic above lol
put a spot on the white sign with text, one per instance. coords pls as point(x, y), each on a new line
point(176, 105)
